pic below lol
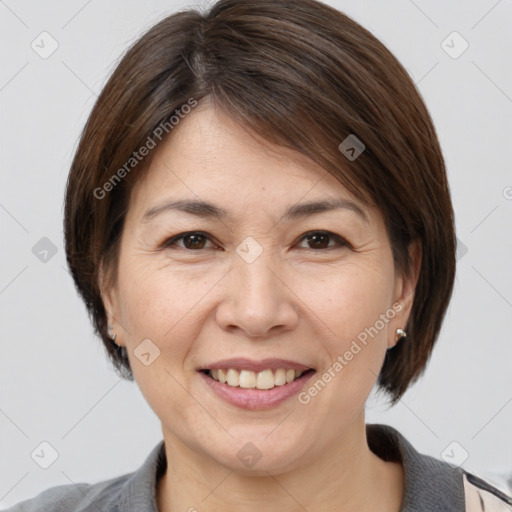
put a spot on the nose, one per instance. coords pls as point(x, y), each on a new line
point(256, 301)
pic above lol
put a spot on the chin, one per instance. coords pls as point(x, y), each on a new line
point(261, 456)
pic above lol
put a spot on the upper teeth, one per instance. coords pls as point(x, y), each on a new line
point(258, 380)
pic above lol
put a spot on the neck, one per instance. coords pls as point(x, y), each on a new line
point(348, 478)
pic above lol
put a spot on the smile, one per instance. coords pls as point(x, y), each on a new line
point(266, 379)
point(255, 385)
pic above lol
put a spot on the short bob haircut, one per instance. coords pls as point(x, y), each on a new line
point(301, 75)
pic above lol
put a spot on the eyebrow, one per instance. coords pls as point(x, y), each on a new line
point(208, 210)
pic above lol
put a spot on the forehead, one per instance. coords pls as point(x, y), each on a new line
point(210, 157)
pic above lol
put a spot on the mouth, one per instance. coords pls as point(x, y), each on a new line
point(255, 385)
point(248, 379)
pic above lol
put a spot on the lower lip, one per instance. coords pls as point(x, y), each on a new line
point(256, 399)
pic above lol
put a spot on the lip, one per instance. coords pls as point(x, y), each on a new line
point(255, 366)
point(256, 399)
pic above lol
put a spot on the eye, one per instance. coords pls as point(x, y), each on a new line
point(197, 240)
point(318, 240)
point(194, 241)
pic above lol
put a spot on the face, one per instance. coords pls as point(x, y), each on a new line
point(255, 287)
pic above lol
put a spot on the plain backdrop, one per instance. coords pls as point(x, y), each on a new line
point(55, 383)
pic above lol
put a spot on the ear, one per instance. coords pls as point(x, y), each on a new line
point(109, 299)
point(405, 288)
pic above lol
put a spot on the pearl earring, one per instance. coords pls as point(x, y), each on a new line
point(112, 336)
point(400, 335)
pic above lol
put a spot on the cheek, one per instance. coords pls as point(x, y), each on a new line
point(351, 299)
point(350, 303)
point(161, 303)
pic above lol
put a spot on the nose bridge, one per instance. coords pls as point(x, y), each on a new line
point(258, 287)
point(252, 264)
point(256, 299)
point(257, 279)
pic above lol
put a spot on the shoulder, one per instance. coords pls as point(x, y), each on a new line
point(79, 497)
point(131, 492)
point(433, 484)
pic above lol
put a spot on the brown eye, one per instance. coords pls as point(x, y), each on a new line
point(323, 240)
point(194, 241)
point(319, 241)
point(191, 241)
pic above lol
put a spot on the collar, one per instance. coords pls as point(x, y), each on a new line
point(430, 484)
point(139, 493)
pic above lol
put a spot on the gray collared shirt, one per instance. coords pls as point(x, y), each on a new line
point(431, 485)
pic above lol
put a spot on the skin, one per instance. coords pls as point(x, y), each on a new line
point(295, 301)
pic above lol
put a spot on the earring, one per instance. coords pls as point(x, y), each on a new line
point(400, 335)
point(112, 336)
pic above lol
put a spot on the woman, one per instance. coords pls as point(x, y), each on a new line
point(259, 222)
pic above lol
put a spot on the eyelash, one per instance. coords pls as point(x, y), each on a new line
point(171, 242)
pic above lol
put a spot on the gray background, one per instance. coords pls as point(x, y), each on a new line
point(56, 385)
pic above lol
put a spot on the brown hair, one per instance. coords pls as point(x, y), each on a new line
point(301, 75)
